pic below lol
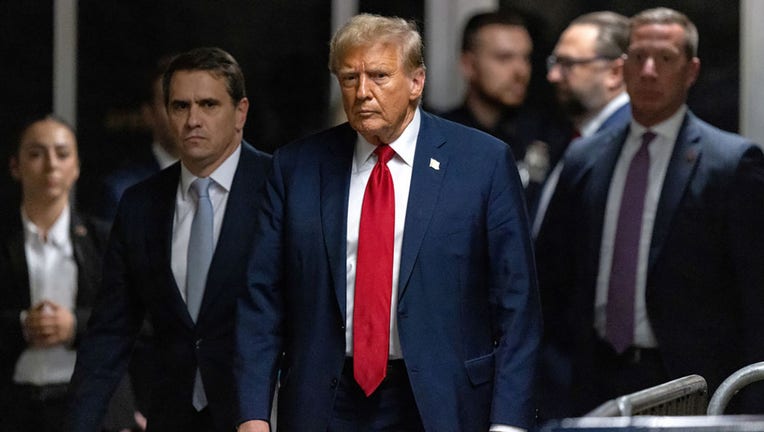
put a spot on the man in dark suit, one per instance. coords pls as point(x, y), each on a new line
point(449, 343)
point(586, 70)
point(650, 260)
point(151, 267)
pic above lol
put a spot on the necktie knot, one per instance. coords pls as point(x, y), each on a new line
point(648, 137)
point(384, 153)
point(201, 187)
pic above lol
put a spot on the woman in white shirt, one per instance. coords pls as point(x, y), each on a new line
point(50, 263)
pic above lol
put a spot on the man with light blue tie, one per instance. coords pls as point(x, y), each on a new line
point(176, 256)
point(392, 282)
point(650, 255)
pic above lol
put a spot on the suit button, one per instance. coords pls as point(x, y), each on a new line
point(334, 383)
point(198, 343)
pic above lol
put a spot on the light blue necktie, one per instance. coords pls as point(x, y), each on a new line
point(200, 248)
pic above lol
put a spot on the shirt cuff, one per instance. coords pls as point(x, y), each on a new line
point(505, 428)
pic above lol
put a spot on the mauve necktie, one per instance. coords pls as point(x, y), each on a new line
point(200, 250)
point(374, 276)
point(619, 328)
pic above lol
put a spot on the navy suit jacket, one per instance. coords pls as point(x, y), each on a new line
point(705, 278)
point(115, 184)
point(468, 313)
point(138, 282)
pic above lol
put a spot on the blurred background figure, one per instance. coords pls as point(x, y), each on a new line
point(586, 69)
point(163, 151)
point(496, 64)
point(50, 261)
point(649, 261)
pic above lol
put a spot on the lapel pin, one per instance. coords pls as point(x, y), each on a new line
point(691, 155)
point(80, 230)
point(434, 164)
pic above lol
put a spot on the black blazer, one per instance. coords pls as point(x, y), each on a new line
point(138, 283)
point(88, 241)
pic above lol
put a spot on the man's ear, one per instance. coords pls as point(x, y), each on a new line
point(614, 76)
point(417, 83)
point(13, 167)
point(467, 65)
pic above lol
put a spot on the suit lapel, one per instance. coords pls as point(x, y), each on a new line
point(18, 267)
point(240, 209)
point(159, 240)
point(423, 194)
point(85, 256)
point(601, 176)
point(684, 159)
point(335, 184)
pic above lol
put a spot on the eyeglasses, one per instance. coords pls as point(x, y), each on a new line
point(567, 63)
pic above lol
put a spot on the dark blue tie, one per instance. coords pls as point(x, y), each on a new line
point(619, 327)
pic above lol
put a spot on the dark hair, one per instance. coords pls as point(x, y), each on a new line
point(664, 15)
point(31, 121)
point(210, 59)
point(152, 74)
point(478, 21)
point(612, 32)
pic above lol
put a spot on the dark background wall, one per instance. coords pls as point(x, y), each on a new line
point(282, 47)
point(714, 98)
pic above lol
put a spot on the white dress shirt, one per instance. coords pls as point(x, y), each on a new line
point(52, 276)
point(660, 150)
point(185, 206)
point(400, 167)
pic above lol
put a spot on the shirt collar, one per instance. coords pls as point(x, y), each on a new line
point(590, 127)
point(164, 159)
point(222, 176)
point(404, 146)
point(668, 129)
point(58, 234)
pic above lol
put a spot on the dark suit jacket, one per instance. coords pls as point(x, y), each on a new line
point(88, 242)
point(705, 278)
point(115, 184)
point(468, 315)
point(138, 282)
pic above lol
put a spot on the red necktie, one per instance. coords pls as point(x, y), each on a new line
point(619, 327)
point(374, 276)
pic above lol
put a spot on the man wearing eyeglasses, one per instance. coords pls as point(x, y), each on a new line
point(586, 70)
point(650, 259)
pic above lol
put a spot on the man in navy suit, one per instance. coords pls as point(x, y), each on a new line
point(462, 313)
point(586, 69)
point(145, 267)
point(650, 257)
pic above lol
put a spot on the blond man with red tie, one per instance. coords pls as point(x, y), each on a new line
point(392, 282)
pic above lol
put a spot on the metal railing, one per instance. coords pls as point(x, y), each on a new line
point(680, 397)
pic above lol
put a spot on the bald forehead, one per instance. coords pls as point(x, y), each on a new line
point(583, 37)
